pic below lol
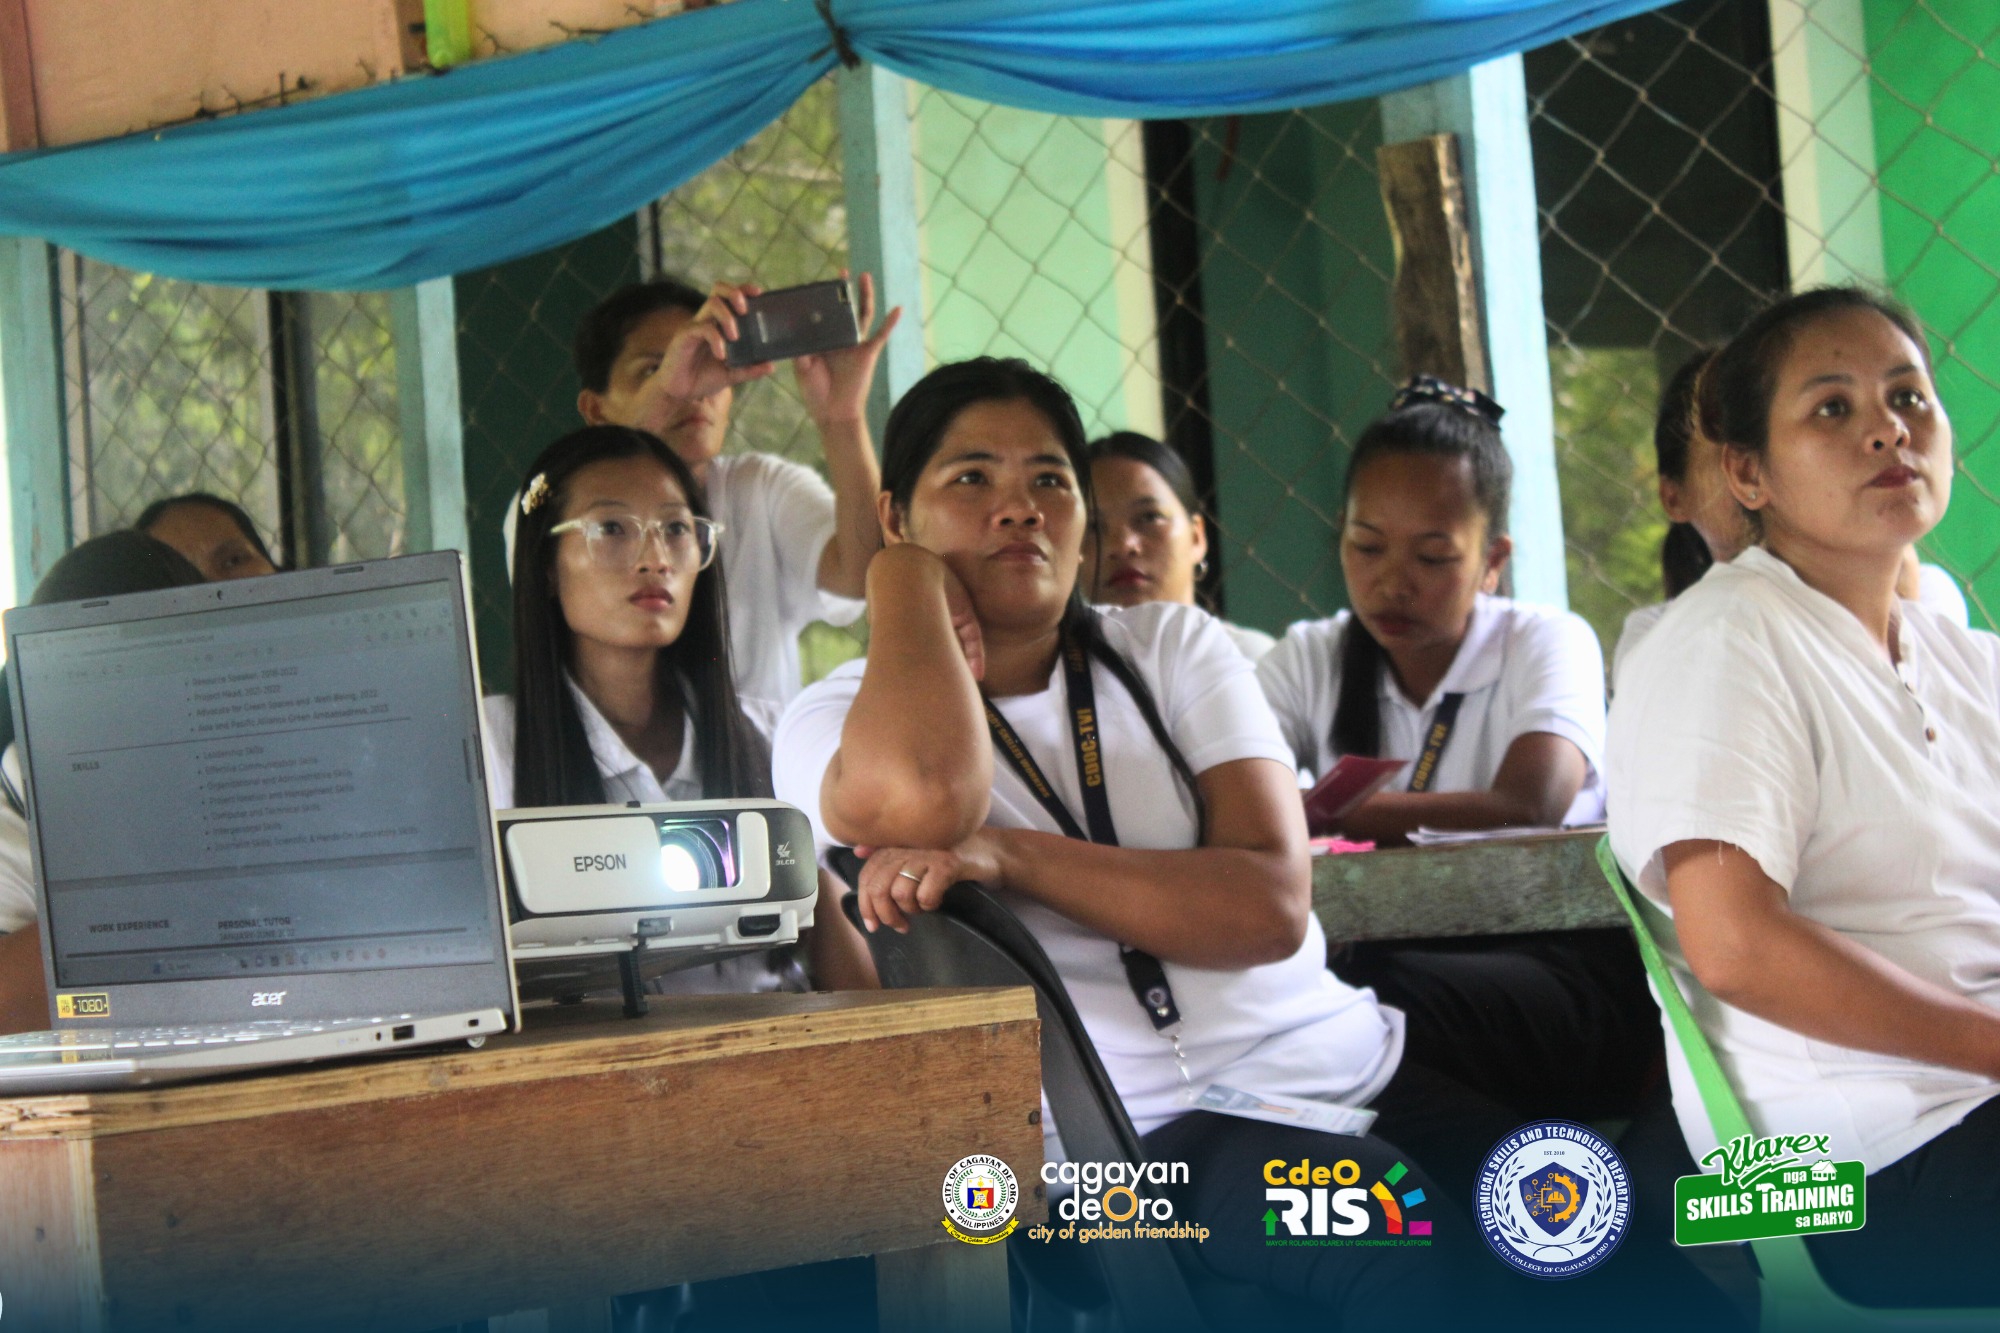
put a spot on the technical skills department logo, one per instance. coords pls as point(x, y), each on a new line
point(1553, 1199)
point(1311, 1205)
point(980, 1195)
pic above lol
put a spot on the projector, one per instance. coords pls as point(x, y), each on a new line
point(673, 885)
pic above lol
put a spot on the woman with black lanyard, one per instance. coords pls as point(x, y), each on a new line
point(1118, 778)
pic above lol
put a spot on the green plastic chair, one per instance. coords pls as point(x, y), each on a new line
point(1795, 1297)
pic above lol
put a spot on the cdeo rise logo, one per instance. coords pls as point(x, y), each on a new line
point(1326, 1205)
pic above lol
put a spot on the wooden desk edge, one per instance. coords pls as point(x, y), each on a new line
point(673, 1034)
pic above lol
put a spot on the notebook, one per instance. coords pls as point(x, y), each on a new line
point(259, 825)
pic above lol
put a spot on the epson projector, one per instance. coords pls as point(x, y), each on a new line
point(667, 886)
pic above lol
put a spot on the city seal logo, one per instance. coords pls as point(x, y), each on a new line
point(980, 1195)
point(1553, 1199)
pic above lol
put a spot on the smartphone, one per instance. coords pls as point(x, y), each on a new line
point(795, 321)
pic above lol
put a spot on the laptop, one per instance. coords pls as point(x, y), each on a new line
point(259, 825)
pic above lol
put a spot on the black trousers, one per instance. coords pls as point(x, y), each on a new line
point(1553, 1025)
point(1933, 1225)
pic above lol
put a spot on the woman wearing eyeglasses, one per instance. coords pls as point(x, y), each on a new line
point(622, 681)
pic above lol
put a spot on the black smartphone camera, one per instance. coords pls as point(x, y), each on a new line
point(795, 321)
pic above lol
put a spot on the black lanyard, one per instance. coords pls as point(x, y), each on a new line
point(1425, 772)
point(1143, 972)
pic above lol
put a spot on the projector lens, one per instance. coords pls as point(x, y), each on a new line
point(694, 855)
point(679, 868)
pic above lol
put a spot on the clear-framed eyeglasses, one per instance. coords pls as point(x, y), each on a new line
point(620, 541)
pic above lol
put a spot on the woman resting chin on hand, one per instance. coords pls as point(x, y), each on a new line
point(959, 750)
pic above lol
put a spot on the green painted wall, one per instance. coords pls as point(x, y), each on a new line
point(1022, 251)
point(1296, 271)
point(1935, 150)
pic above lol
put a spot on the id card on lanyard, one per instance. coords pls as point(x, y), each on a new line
point(1143, 972)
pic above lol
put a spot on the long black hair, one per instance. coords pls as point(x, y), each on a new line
point(1684, 556)
point(917, 426)
point(1447, 430)
point(1733, 396)
point(553, 764)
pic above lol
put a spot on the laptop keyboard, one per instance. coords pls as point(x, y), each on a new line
point(135, 1040)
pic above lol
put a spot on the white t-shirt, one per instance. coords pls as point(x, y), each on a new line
point(1935, 590)
point(1521, 669)
point(777, 518)
point(1289, 1027)
point(627, 778)
point(1762, 715)
point(1252, 643)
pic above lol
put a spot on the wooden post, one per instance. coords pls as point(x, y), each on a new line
point(879, 168)
point(1436, 297)
point(1487, 108)
point(424, 320)
point(20, 124)
point(31, 386)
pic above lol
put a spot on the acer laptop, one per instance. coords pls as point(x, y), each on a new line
point(259, 825)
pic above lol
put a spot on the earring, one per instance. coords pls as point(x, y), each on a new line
point(1753, 494)
point(1201, 569)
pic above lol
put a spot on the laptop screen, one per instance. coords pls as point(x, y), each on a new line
point(279, 788)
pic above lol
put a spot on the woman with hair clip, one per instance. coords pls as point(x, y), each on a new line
point(1802, 766)
point(1148, 541)
point(1500, 707)
point(1116, 777)
point(622, 682)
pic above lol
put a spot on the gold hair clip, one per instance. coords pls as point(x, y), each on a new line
point(538, 491)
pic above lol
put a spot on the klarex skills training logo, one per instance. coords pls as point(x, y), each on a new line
point(1553, 1199)
point(1326, 1205)
point(980, 1194)
point(1769, 1187)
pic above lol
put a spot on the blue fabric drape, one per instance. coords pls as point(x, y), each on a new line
point(430, 176)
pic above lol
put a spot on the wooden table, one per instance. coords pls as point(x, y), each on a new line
point(1550, 882)
point(590, 1155)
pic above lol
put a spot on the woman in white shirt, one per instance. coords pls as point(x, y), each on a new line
point(1802, 768)
point(622, 682)
point(1707, 527)
point(1500, 704)
point(988, 680)
point(1148, 541)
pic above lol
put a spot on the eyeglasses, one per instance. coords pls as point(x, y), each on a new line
point(618, 541)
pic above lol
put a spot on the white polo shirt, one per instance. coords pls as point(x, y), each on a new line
point(1760, 714)
point(777, 518)
point(627, 778)
point(1522, 668)
point(1935, 589)
point(1289, 1027)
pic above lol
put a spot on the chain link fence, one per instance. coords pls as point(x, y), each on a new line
point(284, 403)
point(1222, 283)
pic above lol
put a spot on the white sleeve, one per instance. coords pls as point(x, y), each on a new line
point(1285, 674)
point(1939, 591)
point(1555, 684)
point(1711, 743)
point(800, 509)
point(807, 739)
point(17, 874)
point(1209, 696)
point(497, 743)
